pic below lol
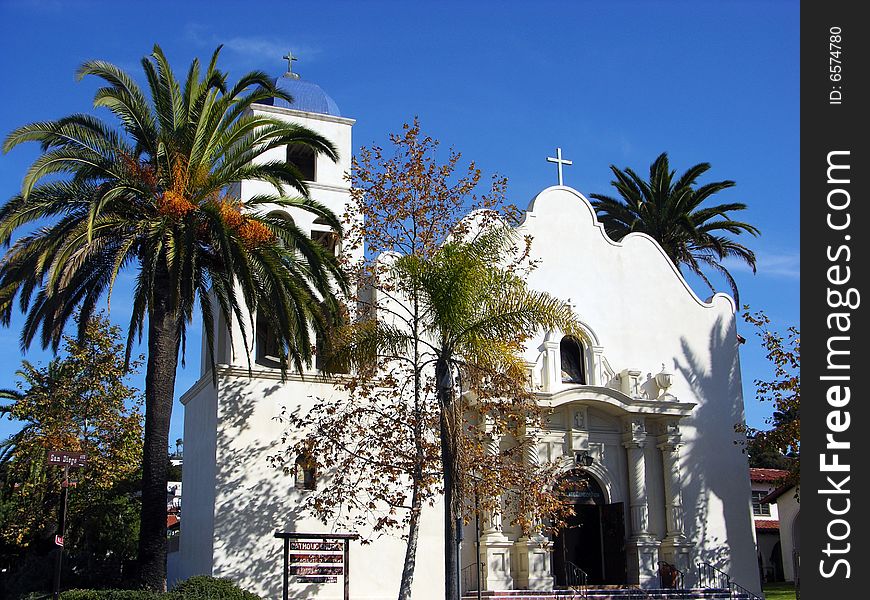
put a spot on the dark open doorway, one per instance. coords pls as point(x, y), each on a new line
point(594, 537)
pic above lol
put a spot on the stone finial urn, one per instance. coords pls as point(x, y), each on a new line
point(664, 380)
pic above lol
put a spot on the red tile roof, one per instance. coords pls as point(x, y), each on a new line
point(772, 496)
point(172, 520)
point(769, 524)
point(767, 474)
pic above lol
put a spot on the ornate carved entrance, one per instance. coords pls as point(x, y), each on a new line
point(594, 537)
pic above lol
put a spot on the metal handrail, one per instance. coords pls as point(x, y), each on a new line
point(708, 574)
point(710, 577)
point(739, 589)
point(676, 579)
point(470, 578)
point(576, 578)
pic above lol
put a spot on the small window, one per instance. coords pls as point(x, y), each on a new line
point(327, 239)
point(759, 508)
point(324, 235)
point(573, 364)
point(302, 157)
point(306, 472)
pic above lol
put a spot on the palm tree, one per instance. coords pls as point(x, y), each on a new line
point(469, 316)
point(154, 197)
point(670, 212)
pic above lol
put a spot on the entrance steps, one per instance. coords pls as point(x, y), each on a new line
point(610, 593)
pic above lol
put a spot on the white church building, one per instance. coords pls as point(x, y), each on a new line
point(651, 392)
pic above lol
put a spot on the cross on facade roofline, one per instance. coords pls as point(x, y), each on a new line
point(559, 162)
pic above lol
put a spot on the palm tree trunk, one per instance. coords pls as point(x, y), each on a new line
point(411, 548)
point(163, 345)
point(448, 463)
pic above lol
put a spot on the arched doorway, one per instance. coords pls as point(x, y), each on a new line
point(594, 537)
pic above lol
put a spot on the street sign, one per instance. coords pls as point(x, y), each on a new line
point(67, 459)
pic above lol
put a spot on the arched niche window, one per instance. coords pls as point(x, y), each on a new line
point(323, 234)
point(303, 158)
point(268, 351)
point(573, 360)
point(306, 472)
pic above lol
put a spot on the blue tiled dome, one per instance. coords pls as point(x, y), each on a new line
point(307, 96)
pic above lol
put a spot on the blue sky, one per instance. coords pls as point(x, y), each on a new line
point(505, 83)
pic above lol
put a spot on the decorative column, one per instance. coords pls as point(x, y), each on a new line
point(492, 518)
point(642, 549)
point(534, 551)
point(495, 547)
point(675, 548)
point(552, 375)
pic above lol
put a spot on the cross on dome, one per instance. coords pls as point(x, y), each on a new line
point(559, 162)
point(290, 58)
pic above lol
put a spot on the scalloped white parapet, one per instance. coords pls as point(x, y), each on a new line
point(565, 213)
point(629, 292)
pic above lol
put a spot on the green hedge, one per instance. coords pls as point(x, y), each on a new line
point(211, 588)
point(200, 587)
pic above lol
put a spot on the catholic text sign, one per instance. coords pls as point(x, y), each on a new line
point(67, 459)
point(317, 546)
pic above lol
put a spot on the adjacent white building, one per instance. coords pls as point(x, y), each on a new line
point(651, 391)
point(765, 518)
point(786, 500)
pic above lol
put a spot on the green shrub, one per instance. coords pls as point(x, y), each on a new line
point(116, 595)
point(200, 587)
point(203, 587)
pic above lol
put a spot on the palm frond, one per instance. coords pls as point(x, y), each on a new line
point(672, 212)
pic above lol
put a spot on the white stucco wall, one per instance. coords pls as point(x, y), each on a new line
point(198, 481)
point(253, 499)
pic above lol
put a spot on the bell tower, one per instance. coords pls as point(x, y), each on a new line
point(313, 108)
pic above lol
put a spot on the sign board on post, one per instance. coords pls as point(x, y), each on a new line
point(66, 459)
point(321, 560)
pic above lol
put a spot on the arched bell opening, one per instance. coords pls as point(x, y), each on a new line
point(268, 351)
point(573, 361)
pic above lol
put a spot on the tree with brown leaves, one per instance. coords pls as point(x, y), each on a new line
point(783, 391)
point(443, 316)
